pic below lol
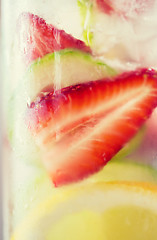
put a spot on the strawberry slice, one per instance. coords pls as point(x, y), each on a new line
point(80, 128)
point(125, 7)
point(37, 38)
point(106, 6)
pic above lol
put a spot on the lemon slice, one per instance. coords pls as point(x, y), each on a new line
point(98, 211)
point(32, 185)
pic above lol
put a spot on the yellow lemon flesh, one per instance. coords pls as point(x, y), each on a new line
point(28, 194)
point(104, 211)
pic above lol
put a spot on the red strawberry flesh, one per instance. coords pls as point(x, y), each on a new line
point(80, 128)
point(105, 6)
point(37, 38)
point(125, 7)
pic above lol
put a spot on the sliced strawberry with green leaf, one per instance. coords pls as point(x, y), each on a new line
point(81, 127)
point(37, 38)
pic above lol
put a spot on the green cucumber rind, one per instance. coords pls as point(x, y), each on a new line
point(132, 145)
point(72, 52)
point(123, 170)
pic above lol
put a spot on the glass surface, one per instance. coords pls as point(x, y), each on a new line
point(79, 119)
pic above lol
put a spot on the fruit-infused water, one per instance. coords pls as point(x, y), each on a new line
point(80, 98)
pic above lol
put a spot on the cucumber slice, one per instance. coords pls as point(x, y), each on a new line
point(64, 68)
point(125, 171)
point(131, 146)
